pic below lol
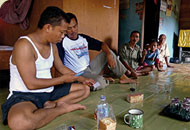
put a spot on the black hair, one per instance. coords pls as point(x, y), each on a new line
point(52, 15)
point(152, 41)
point(161, 35)
point(71, 16)
point(135, 31)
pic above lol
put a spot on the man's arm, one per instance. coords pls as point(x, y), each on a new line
point(143, 56)
point(66, 71)
point(110, 59)
point(167, 63)
point(60, 67)
point(94, 44)
point(24, 57)
point(167, 54)
point(122, 55)
point(133, 73)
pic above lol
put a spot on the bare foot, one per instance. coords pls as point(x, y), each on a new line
point(124, 80)
point(49, 104)
point(110, 79)
point(135, 75)
point(127, 81)
point(69, 107)
point(143, 73)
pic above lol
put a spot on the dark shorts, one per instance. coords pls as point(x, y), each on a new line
point(36, 98)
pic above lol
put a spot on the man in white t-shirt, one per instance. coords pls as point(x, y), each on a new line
point(164, 51)
point(74, 54)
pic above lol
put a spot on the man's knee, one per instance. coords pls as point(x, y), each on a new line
point(113, 54)
point(87, 90)
point(20, 122)
point(84, 90)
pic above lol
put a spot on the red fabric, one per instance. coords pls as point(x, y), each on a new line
point(140, 68)
point(145, 64)
point(157, 61)
point(155, 1)
point(15, 12)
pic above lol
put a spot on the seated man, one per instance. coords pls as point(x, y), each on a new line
point(35, 97)
point(73, 51)
point(164, 51)
point(131, 55)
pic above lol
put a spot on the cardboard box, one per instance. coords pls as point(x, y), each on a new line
point(135, 97)
point(107, 124)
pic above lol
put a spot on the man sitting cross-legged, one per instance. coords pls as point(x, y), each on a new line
point(35, 97)
point(131, 56)
point(73, 51)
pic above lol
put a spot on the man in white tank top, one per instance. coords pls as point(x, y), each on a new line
point(35, 97)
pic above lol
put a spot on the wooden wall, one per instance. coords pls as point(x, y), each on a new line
point(94, 19)
point(10, 33)
point(184, 18)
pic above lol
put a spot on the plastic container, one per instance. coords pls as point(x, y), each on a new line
point(105, 116)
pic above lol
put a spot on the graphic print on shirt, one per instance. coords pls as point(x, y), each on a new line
point(80, 50)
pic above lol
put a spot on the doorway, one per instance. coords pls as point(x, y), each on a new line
point(151, 24)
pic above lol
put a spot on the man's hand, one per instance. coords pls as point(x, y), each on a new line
point(69, 78)
point(86, 81)
point(134, 74)
point(144, 52)
point(111, 61)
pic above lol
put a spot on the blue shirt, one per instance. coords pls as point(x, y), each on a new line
point(151, 57)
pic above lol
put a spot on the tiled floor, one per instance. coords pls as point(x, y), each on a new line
point(152, 86)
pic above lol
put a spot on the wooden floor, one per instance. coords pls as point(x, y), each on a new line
point(152, 86)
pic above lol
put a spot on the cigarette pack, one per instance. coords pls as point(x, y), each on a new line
point(107, 124)
point(135, 97)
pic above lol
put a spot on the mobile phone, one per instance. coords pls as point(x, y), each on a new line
point(97, 84)
point(80, 73)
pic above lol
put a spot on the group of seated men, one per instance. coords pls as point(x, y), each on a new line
point(35, 97)
point(155, 53)
point(73, 51)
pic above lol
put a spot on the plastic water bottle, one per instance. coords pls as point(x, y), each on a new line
point(102, 109)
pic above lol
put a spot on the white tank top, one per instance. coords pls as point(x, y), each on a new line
point(43, 68)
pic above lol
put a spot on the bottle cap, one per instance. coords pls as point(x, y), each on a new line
point(102, 97)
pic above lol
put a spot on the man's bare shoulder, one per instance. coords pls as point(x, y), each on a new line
point(22, 48)
point(22, 45)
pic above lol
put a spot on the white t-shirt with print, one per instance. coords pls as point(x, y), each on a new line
point(76, 54)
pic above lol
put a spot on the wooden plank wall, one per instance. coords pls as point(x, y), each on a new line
point(10, 33)
point(97, 18)
point(184, 17)
point(94, 19)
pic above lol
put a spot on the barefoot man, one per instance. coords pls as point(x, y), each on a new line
point(35, 97)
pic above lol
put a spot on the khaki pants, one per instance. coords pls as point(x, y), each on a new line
point(98, 64)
